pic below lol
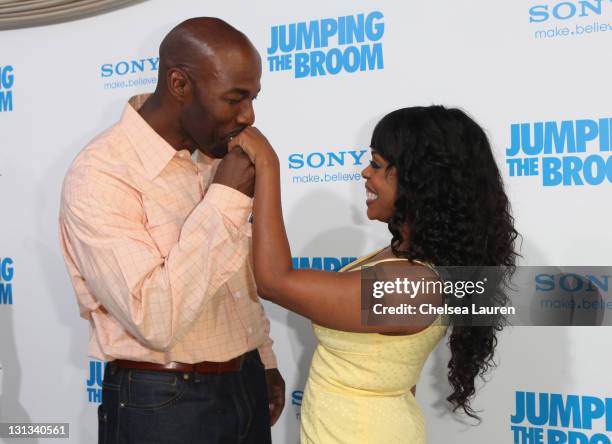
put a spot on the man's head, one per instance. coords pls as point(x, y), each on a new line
point(210, 72)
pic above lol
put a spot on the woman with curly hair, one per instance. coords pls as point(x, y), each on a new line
point(434, 182)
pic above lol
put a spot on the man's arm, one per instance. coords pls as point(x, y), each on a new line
point(155, 298)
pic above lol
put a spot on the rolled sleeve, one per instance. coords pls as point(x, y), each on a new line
point(232, 204)
point(267, 355)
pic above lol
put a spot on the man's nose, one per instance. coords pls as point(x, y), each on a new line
point(246, 116)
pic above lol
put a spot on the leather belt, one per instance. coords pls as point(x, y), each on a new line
point(232, 365)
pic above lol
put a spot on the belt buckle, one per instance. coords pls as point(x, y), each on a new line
point(172, 366)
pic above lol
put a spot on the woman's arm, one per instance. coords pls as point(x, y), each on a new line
point(329, 299)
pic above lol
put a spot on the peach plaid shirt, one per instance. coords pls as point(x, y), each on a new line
point(158, 256)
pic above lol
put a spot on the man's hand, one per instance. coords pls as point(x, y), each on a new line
point(276, 394)
point(236, 171)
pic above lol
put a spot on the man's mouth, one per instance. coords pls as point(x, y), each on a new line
point(234, 133)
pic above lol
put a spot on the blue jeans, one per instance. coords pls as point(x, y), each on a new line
point(148, 407)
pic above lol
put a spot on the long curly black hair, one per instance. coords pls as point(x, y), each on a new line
point(451, 197)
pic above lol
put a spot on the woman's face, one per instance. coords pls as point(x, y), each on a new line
point(381, 188)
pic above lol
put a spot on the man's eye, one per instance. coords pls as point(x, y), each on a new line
point(233, 101)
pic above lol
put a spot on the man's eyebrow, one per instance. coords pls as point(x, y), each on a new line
point(241, 91)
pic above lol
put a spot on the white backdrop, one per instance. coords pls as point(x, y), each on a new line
point(519, 61)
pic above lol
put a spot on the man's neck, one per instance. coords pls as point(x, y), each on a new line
point(165, 121)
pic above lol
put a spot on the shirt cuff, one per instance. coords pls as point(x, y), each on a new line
point(267, 356)
point(231, 203)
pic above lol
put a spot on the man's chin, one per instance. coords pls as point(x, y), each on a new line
point(218, 151)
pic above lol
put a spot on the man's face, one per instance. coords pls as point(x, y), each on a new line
point(222, 101)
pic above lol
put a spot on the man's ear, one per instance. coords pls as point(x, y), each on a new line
point(179, 84)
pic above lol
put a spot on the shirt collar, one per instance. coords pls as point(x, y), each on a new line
point(203, 162)
point(154, 152)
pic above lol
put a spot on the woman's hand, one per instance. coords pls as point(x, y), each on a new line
point(254, 144)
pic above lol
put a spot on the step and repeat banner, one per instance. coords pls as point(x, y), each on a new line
point(534, 73)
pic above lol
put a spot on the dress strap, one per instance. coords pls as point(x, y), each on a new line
point(416, 261)
point(389, 259)
point(355, 265)
point(431, 267)
point(361, 259)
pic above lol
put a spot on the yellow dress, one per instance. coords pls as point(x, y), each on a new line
point(358, 389)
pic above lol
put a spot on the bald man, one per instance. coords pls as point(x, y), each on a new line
point(155, 232)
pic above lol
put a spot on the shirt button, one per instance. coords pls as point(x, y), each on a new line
point(250, 330)
point(237, 295)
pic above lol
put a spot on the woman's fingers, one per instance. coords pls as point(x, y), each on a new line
point(242, 141)
point(252, 141)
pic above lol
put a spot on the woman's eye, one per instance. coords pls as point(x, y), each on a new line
point(374, 165)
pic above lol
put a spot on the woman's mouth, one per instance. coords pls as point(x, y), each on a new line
point(370, 195)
